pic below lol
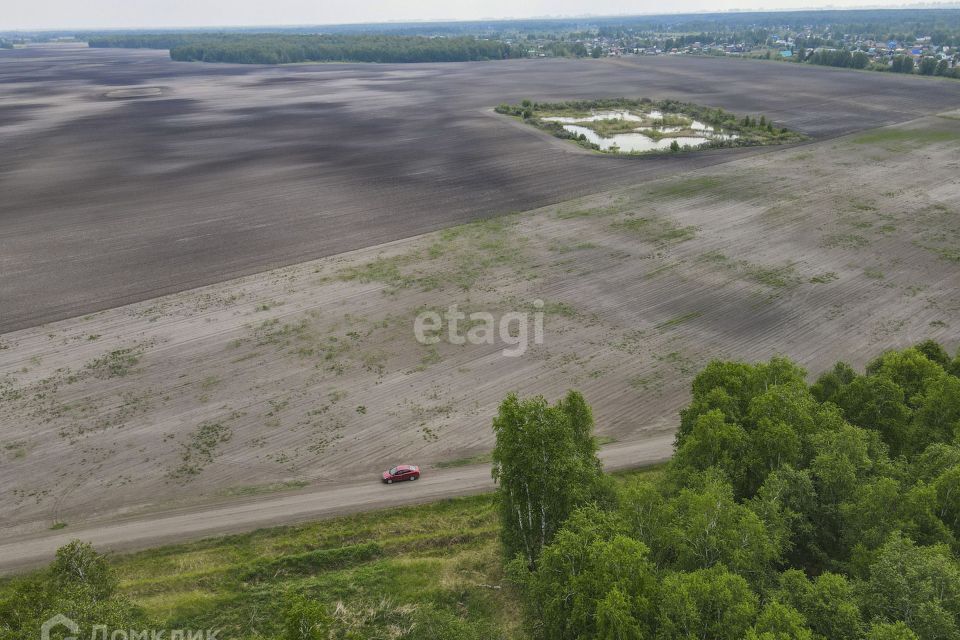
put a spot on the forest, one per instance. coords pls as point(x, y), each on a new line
point(282, 48)
point(789, 511)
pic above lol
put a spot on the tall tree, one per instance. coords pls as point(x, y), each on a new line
point(542, 473)
point(709, 603)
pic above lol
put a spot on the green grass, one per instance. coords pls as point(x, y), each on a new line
point(687, 187)
point(260, 489)
point(445, 554)
point(674, 322)
point(775, 277)
point(824, 278)
point(569, 214)
point(115, 364)
point(844, 241)
point(728, 188)
point(201, 449)
point(947, 253)
point(656, 230)
point(482, 458)
point(459, 257)
point(904, 139)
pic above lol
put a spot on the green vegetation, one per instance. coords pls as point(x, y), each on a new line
point(900, 140)
point(79, 584)
point(482, 458)
point(115, 364)
point(460, 257)
point(840, 58)
point(799, 34)
point(286, 48)
point(774, 277)
point(656, 230)
point(446, 554)
point(675, 120)
point(855, 59)
point(844, 241)
point(824, 278)
point(789, 511)
point(201, 449)
point(678, 320)
point(534, 441)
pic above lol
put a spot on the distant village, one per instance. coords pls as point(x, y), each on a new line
point(797, 47)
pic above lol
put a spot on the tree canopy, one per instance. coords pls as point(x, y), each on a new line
point(545, 465)
point(789, 511)
point(273, 48)
point(78, 584)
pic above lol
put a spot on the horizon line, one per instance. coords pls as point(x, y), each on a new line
point(428, 21)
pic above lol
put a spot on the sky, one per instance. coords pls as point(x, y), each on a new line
point(94, 14)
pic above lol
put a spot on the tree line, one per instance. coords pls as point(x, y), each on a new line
point(927, 66)
point(287, 48)
point(789, 511)
point(839, 58)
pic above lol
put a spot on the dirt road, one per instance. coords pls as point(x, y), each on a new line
point(181, 525)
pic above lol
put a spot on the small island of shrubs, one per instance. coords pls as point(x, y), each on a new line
point(661, 120)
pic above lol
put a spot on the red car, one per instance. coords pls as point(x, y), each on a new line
point(401, 472)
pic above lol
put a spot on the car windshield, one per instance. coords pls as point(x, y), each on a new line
point(394, 471)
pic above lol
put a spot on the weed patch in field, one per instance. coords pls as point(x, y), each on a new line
point(459, 257)
point(774, 277)
point(906, 139)
point(570, 214)
point(656, 230)
point(824, 278)
point(678, 320)
point(201, 449)
point(115, 364)
point(384, 270)
point(716, 188)
point(844, 241)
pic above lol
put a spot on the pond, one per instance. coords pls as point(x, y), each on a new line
point(650, 134)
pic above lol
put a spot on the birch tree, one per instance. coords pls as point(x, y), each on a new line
point(544, 469)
